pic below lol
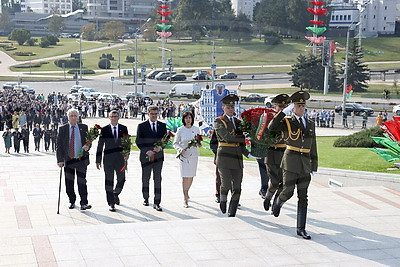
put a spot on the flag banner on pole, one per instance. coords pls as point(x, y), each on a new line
point(385, 154)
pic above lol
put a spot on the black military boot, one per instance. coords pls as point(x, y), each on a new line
point(222, 206)
point(276, 207)
point(233, 205)
point(301, 223)
point(267, 200)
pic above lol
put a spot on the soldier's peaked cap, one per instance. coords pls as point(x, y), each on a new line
point(281, 99)
point(230, 99)
point(299, 97)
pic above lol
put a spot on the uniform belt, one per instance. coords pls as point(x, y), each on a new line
point(301, 150)
point(278, 146)
point(228, 144)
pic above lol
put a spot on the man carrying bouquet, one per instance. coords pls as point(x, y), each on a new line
point(113, 161)
point(229, 160)
point(274, 157)
point(300, 158)
point(151, 156)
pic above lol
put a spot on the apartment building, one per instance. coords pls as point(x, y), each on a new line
point(244, 7)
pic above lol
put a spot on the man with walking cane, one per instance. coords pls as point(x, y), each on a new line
point(71, 139)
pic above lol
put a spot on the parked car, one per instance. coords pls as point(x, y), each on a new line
point(75, 88)
point(357, 108)
point(396, 110)
point(105, 97)
point(186, 90)
point(267, 101)
point(24, 88)
point(155, 94)
point(129, 95)
point(152, 74)
point(164, 74)
point(74, 96)
point(228, 75)
point(89, 92)
point(9, 85)
point(177, 77)
point(65, 35)
point(201, 75)
point(254, 98)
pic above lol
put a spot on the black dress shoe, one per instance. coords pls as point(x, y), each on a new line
point(86, 207)
point(217, 200)
point(262, 194)
point(303, 233)
point(157, 207)
point(116, 199)
point(222, 206)
point(145, 202)
point(71, 206)
point(112, 208)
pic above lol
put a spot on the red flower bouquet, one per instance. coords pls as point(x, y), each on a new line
point(196, 141)
point(92, 135)
point(126, 144)
point(255, 122)
point(162, 143)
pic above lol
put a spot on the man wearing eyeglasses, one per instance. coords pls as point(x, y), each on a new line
point(113, 161)
point(151, 158)
point(300, 158)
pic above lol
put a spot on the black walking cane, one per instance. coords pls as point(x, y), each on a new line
point(59, 192)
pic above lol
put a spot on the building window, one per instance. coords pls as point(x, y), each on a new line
point(384, 28)
point(374, 16)
point(384, 18)
point(340, 17)
point(337, 17)
point(333, 17)
point(385, 7)
point(373, 28)
point(46, 5)
point(349, 17)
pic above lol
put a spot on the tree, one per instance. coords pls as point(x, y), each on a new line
point(190, 16)
point(20, 35)
point(357, 71)
point(240, 28)
point(44, 42)
point(76, 4)
point(5, 22)
point(114, 29)
point(88, 31)
point(56, 24)
point(308, 73)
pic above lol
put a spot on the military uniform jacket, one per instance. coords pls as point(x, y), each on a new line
point(294, 136)
point(229, 157)
point(275, 154)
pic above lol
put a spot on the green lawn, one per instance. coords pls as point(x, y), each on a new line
point(197, 55)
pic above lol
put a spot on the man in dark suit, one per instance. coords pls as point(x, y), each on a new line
point(151, 157)
point(71, 138)
point(110, 140)
point(300, 158)
point(37, 135)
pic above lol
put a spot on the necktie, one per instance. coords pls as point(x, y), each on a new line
point(115, 134)
point(72, 144)
point(154, 127)
point(301, 123)
point(233, 122)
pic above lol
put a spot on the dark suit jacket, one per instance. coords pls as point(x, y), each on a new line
point(63, 144)
point(301, 138)
point(145, 139)
point(112, 149)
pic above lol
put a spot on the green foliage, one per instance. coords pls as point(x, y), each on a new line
point(107, 56)
point(130, 59)
point(56, 24)
point(358, 72)
point(19, 53)
point(75, 56)
point(69, 63)
point(240, 29)
point(359, 139)
point(31, 65)
point(272, 38)
point(31, 41)
point(89, 31)
point(53, 40)
point(308, 73)
point(114, 29)
point(20, 35)
point(104, 63)
point(5, 21)
point(44, 42)
point(84, 71)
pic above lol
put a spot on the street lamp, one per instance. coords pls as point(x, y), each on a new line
point(80, 55)
point(136, 49)
point(119, 59)
point(169, 61)
point(213, 61)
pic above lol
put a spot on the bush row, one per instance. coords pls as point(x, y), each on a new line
point(19, 53)
point(359, 139)
point(83, 71)
point(32, 65)
point(68, 63)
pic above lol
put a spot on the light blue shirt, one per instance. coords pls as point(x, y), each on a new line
point(77, 141)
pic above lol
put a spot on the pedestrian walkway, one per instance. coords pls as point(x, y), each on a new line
point(350, 226)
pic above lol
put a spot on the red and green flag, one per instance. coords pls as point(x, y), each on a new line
point(349, 91)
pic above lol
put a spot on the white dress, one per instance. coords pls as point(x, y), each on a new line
point(188, 164)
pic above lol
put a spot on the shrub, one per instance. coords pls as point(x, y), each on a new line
point(104, 63)
point(359, 139)
point(107, 56)
point(272, 38)
point(20, 35)
point(19, 53)
point(69, 63)
point(53, 40)
point(73, 71)
point(31, 41)
point(44, 42)
point(75, 55)
point(32, 65)
point(130, 59)
point(188, 71)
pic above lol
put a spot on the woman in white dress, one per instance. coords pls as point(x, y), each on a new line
point(188, 163)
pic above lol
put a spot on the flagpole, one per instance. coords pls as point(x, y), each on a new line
point(345, 71)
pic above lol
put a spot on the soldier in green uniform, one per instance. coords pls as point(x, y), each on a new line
point(300, 158)
point(274, 157)
point(229, 154)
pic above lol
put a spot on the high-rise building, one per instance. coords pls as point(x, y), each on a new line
point(244, 7)
point(46, 6)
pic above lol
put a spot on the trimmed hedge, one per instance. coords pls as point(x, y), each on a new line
point(83, 72)
point(130, 59)
point(19, 53)
point(32, 65)
point(104, 63)
point(107, 56)
point(69, 63)
point(359, 139)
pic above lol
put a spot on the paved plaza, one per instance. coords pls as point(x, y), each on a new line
point(356, 225)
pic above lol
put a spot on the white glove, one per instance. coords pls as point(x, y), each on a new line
point(288, 109)
point(250, 156)
point(313, 173)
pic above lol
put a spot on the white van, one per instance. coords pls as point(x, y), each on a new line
point(186, 90)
